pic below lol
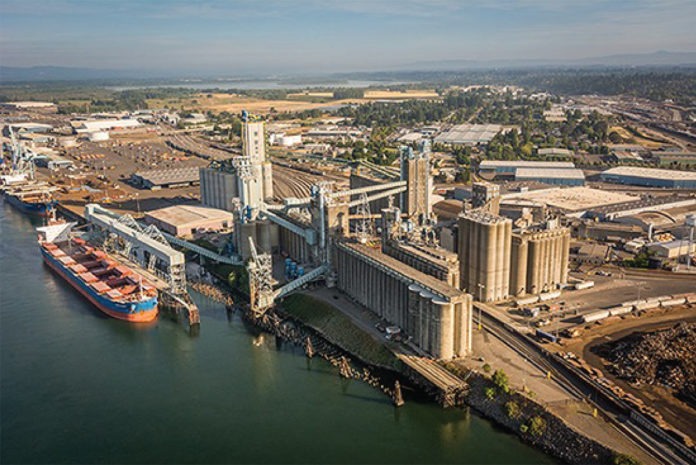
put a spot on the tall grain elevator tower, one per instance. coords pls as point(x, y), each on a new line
point(254, 150)
point(415, 170)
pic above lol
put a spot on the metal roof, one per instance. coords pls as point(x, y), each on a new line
point(651, 173)
point(170, 176)
point(189, 215)
point(545, 173)
point(526, 164)
point(469, 133)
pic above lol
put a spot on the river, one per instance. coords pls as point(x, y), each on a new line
point(257, 84)
point(79, 387)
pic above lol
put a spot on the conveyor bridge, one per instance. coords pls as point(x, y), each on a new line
point(202, 251)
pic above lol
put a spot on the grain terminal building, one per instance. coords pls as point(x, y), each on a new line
point(436, 315)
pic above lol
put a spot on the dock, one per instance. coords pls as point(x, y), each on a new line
point(447, 387)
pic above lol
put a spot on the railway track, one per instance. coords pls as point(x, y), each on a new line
point(201, 148)
point(288, 182)
point(581, 387)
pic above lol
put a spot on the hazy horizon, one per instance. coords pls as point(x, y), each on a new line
point(311, 36)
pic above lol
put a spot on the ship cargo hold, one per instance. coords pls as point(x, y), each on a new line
point(112, 287)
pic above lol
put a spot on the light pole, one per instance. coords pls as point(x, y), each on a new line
point(137, 202)
point(638, 288)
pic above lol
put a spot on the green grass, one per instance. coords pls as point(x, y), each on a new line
point(338, 329)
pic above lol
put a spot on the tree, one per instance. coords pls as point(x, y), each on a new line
point(624, 459)
point(500, 379)
point(512, 409)
point(537, 426)
point(526, 149)
point(239, 279)
point(490, 393)
point(615, 137)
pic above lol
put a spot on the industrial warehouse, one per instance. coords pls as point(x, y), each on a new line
point(547, 172)
point(469, 134)
point(167, 178)
point(185, 220)
point(650, 177)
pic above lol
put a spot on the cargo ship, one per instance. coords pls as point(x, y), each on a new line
point(35, 200)
point(114, 288)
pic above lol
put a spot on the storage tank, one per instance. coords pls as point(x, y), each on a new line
point(595, 316)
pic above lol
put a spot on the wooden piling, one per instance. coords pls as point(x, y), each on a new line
point(309, 349)
point(398, 398)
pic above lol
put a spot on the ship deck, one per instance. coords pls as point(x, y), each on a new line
point(101, 272)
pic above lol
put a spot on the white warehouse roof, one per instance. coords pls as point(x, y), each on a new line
point(469, 134)
point(530, 173)
point(652, 173)
point(105, 124)
point(491, 164)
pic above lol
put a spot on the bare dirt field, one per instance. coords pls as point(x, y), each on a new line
point(399, 95)
point(625, 134)
point(236, 103)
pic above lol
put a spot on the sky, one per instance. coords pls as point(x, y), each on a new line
point(294, 36)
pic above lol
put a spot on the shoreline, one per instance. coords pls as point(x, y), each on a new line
point(555, 438)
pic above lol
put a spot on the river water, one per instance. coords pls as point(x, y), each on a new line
point(257, 84)
point(80, 387)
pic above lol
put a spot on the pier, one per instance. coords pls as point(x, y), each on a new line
point(447, 387)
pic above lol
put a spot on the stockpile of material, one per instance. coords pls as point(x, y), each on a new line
point(664, 358)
